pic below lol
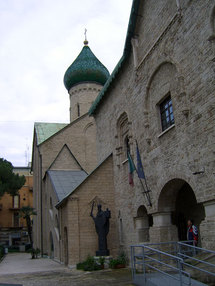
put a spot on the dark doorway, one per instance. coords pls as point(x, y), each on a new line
point(186, 207)
point(178, 197)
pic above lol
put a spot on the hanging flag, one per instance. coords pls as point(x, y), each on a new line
point(140, 171)
point(131, 170)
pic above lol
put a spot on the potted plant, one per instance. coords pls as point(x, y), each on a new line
point(119, 262)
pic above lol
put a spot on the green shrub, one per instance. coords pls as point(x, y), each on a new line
point(88, 265)
point(101, 260)
point(113, 263)
point(121, 259)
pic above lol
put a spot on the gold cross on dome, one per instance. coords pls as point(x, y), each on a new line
point(85, 33)
point(85, 41)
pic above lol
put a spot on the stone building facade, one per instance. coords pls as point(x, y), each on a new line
point(63, 157)
point(161, 94)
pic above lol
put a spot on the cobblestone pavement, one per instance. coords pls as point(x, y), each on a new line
point(54, 274)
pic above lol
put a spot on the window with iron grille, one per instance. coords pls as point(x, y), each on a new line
point(166, 111)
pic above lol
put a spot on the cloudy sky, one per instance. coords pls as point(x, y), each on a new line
point(39, 39)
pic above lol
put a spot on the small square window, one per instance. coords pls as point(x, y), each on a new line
point(166, 111)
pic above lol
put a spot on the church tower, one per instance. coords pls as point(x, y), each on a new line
point(84, 79)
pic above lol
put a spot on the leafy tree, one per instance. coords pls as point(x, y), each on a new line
point(26, 212)
point(9, 182)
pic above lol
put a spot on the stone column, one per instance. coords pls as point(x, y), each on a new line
point(142, 226)
point(162, 229)
point(207, 226)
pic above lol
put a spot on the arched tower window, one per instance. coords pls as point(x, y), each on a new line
point(126, 144)
point(123, 136)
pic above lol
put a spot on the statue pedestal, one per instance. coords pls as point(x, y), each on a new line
point(103, 252)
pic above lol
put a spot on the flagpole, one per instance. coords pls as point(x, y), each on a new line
point(145, 176)
point(146, 192)
point(147, 189)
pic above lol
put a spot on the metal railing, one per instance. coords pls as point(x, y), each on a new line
point(195, 258)
point(172, 260)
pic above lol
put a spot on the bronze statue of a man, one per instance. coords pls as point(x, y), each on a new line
point(102, 228)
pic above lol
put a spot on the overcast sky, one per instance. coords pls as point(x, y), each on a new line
point(39, 39)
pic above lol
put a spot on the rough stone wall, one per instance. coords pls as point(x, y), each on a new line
point(79, 141)
point(64, 225)
point(65, 161)
point(82, 96)
point(50, 217)
point(83, 240)
point(174, 56)
point(79, 137)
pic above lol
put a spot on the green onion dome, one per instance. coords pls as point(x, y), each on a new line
point(86, 68)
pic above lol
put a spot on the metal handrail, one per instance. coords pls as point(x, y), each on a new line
point(149, 250)
point(195, 259)
point(195, 247)
point(143, 256)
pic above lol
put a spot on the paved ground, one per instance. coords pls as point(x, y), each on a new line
point(19, 268)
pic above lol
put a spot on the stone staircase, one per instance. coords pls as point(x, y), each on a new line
point(157, 265)
point(200, 275)
point(158, 279)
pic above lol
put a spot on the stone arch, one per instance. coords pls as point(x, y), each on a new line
point(176, 204)
point(86, 128)
point(157, 70)
point(123, 135)
point(89, 145)
point(162, 83)
point(66, 254)
point(142, 224)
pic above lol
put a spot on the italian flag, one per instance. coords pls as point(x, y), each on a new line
point(131, 168)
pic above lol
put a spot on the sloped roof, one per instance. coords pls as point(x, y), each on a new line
point(66, 197)
point(65, 181)
point(45, 130)
point(126, 52)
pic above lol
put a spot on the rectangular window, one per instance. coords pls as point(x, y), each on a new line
point(166, 111)
point(16, 202)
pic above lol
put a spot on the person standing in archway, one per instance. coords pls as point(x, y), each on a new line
point(192, 233)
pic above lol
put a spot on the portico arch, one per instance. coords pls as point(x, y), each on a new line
point(142, 223)
point(176, 204)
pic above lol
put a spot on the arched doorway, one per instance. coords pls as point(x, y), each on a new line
point(65, 246)
point(51, 245)
point(178, 199)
